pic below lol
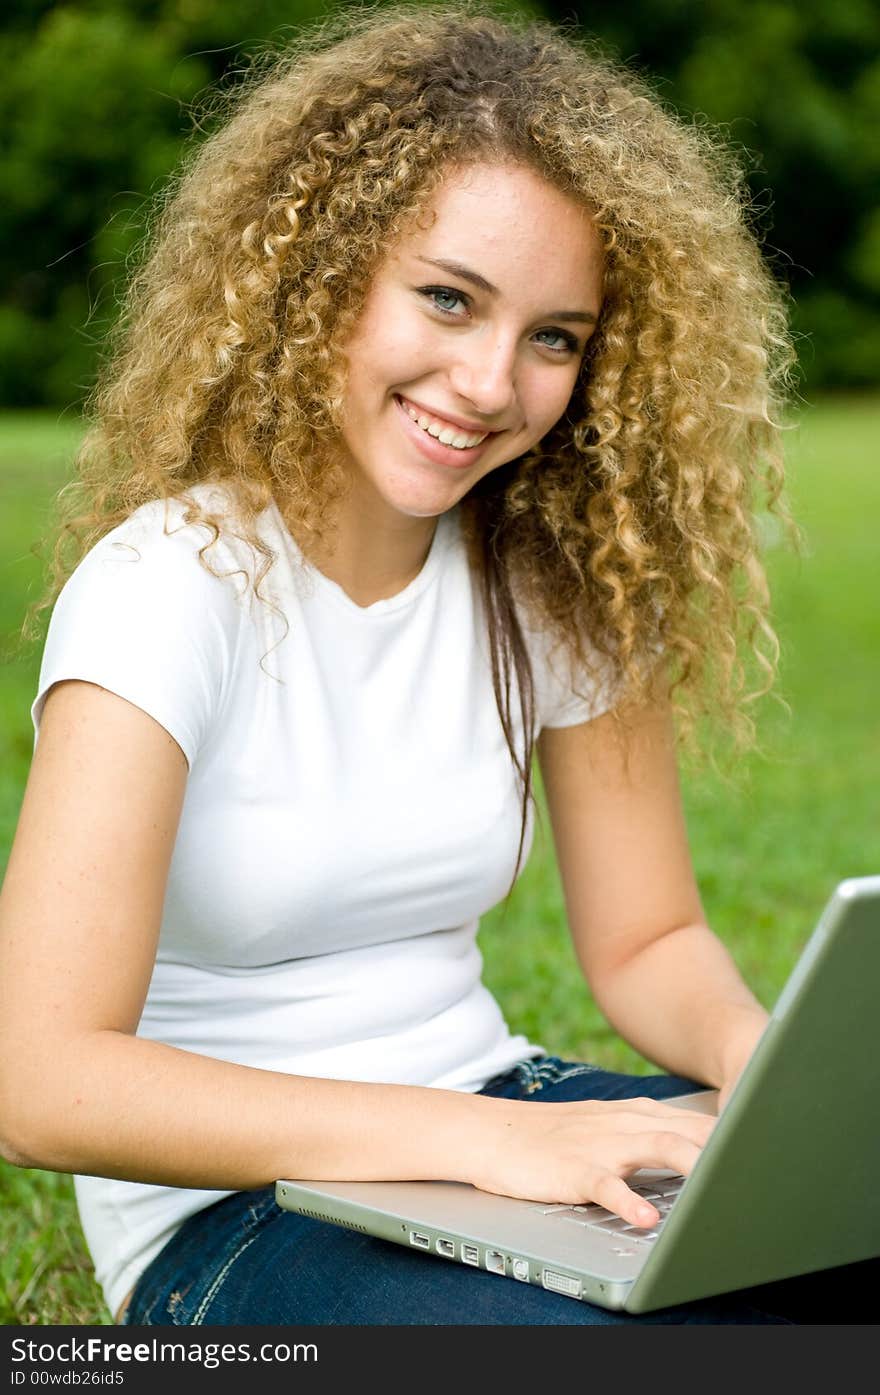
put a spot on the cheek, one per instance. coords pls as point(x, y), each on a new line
point(391, 339)
point(388, 359)
point(550, 399)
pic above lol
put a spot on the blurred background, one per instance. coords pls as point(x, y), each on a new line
point(97, 101)
point(94, 108)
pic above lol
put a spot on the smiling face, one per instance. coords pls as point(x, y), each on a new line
point(473, 330)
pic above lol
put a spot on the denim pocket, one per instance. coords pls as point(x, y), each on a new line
point(180, 1284)
point(527, 1078)
point(547, 1071)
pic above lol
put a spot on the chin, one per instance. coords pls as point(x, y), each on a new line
point(426, 510)
point(424, 500)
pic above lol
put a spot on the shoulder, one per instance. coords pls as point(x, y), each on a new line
point(573, 681)
point(158, 581)
point(144, 618)
point(162, 552)
point(163, 525)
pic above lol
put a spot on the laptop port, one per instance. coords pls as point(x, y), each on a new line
point(561, 1283)
point(495, 1261)
point(445, 1247)
point(421, 1241)
point(470, 1254)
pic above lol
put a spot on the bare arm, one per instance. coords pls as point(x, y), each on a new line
point(80, 910)
point(660, 975)
point(79, 916)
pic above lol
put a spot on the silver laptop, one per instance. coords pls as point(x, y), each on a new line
point(787, 1183)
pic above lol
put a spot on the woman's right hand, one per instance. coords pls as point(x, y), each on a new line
point(580, 1152)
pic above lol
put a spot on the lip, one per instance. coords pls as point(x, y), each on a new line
point(435, 450)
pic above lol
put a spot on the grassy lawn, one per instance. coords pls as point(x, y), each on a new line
point(769, 841)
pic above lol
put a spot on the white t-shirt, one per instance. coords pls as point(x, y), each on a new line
point(351, 811)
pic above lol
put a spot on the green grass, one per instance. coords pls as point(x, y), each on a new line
point(768, 844)
point(771, 840)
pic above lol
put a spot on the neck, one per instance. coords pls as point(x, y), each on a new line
point(373, 554)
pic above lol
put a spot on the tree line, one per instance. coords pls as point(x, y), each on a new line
point(98, 99)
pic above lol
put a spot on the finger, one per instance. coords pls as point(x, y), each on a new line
point(696, 1127)
point(654, 1148)
point(662, 1109)
point(613, 1193)
point(658, 1149)
point(646, 1104)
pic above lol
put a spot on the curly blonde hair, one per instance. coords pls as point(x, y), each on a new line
point(631, 526)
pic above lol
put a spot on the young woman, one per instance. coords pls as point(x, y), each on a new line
point(429, 441)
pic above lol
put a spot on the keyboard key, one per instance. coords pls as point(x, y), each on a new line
point(615, 1224)
point(571, 1218)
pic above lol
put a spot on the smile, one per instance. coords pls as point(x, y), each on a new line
point(443, 431)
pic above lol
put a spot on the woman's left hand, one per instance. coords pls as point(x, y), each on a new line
point(738, 1053)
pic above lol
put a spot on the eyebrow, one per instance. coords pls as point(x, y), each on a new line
point(456, 269)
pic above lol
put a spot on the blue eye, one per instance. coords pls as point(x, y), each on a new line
point(569, 344)
point(432, 292)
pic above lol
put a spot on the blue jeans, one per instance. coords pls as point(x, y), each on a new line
point(244, 1261)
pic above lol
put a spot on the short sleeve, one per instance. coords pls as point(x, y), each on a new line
point(143, 617)
point(567, 693)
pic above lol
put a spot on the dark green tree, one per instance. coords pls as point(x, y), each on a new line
point(98, 96)
point(796, 87)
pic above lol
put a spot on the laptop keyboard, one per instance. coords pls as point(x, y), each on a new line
point(661, 1194)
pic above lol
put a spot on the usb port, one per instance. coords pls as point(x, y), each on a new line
point(470, 1254)
point(445, 1247)
point(421, 1241)
point(495, 1261)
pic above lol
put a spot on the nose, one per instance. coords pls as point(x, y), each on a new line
point(483, 372)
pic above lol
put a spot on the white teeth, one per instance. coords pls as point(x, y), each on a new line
point(448, 435)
